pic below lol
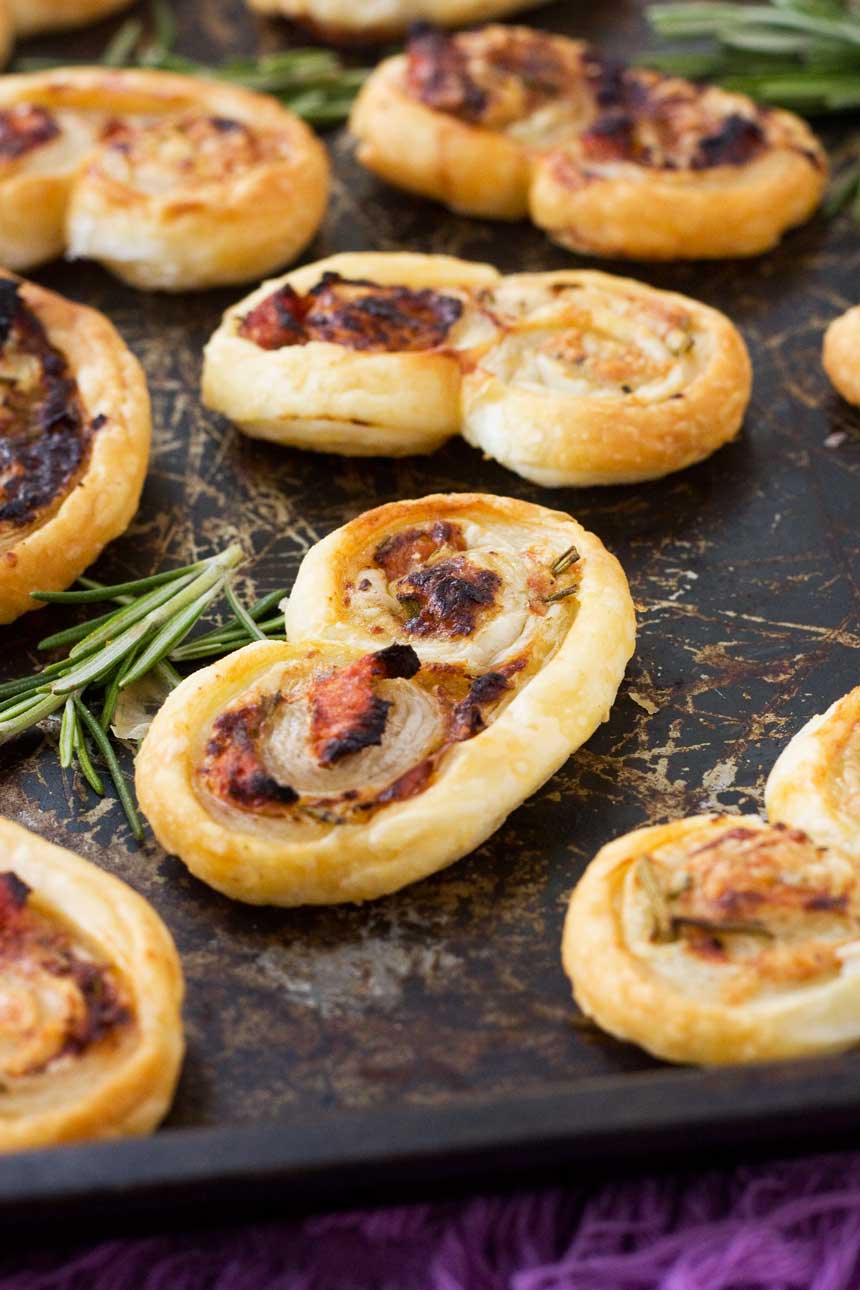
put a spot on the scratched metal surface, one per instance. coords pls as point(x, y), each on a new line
point(745, 571)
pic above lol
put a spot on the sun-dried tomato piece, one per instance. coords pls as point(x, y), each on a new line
point(346, 715)
point(44, 437)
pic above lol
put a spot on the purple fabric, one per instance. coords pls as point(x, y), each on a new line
point(793, 1226)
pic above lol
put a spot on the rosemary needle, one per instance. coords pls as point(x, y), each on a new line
point(150, 618)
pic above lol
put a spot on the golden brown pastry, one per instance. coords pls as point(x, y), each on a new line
point(592, 379)
point(345, 767)
point(841, 354)
point(609, 160)
point(33, 16)
point(354, 354)
point(172, 182)
point(74, 440)
point(457, 118)
point(719, 939)
point(667, 170)
point(375, 20)
point(90, 1001)
point(815, 782)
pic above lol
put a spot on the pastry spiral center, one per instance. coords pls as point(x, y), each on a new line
point(190, 150)
point(583, 340)
point(56, 1001)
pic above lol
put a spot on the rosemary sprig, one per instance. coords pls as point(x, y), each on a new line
point(145, 633)
point(802, 54)
point(314, 83)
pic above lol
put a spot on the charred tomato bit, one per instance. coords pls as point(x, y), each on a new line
point(445, 598)
point(346, 715)
point(44, 437)
point(469, 76)
point(400, 552)
point(24, 128)
point(437, 74)
point(27, 937)
point(355, 314)
point(737, 140)
point(232, 767)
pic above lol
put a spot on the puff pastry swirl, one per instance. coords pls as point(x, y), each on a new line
point(354, 354)
point(375, 20)
point(446, 656)
point(815, 782)
point(594, 379)
point(172, 182)
point(609, 160)
point(90, 1001)
point(719, 940)
point(74, 440)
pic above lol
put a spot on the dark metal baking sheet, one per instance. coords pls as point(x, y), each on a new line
point(339, 1054)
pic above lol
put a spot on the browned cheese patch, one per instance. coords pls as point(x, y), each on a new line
point(346, 716)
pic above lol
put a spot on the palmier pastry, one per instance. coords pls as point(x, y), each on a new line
point(33, 16)
point(592, 379)
point(815, 782)
point(375, 20)
point(74, 440)
point(612, 161)
point(172, 182)
point(354, 354)
point(90, 998)
point(719, 939)
point(841, 354)
point(341, 769)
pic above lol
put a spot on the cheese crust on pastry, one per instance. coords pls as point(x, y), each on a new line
point(172, 182)
point(375, 20)
point(609, 160)
point(74, 440)
point(718, 939)
point(90, 1001)
point(815, 782)
point(33, 16)
point(594, 379)
point(354, 354)
point(445, 692)
point(841, 354)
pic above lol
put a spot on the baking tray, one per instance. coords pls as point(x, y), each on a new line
point(428, 1041)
